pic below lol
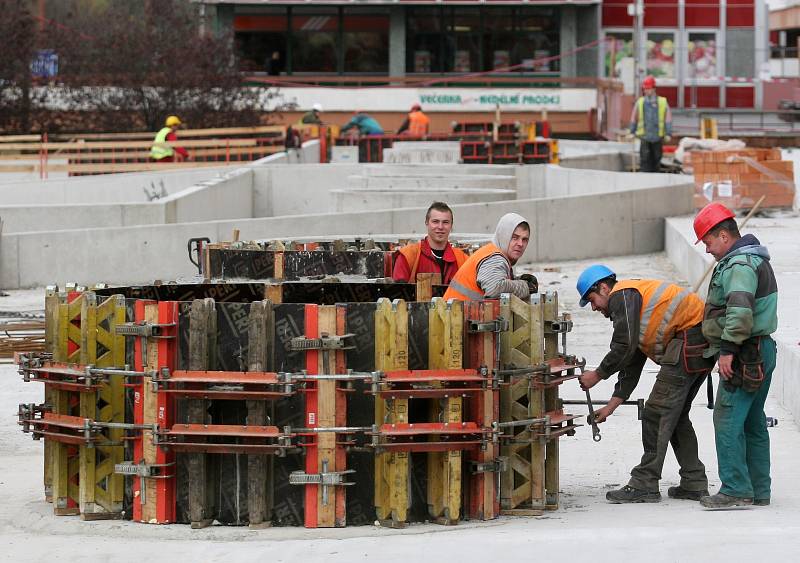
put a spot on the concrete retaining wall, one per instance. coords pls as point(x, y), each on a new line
point(574, 227)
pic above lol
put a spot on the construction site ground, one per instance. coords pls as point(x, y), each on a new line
point(585, 527)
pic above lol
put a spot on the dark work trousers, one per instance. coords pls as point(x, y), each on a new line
point(666, 421)
point(650, 155)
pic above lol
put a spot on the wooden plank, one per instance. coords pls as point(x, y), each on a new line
point(200, 510)
point(551, 403)
point(124, 155)
point(212, 132)
point(111, 145)
point(425, 283)
point(391, 468)
point(150, 410)
point(51, 304)
point(259, 466)
point(326, 417)
point(537, 406)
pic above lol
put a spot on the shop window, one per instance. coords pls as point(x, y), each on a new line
point(661, 54)
point(366, 43)
point(537, 40)
point(463, 40)
point(618, 54)
point(315, 42)
point(702, 56)
point(258, 37)
point(423, 40)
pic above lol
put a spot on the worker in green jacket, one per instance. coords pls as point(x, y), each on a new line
point(740, 314)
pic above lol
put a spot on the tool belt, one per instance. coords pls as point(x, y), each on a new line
point(694, 345)
point(748, 366)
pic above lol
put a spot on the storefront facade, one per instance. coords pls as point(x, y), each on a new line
point(703, 53)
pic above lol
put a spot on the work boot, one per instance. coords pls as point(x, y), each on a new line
point(721, 501)
point(683, 494)
point(761, 502)
point(629, 494)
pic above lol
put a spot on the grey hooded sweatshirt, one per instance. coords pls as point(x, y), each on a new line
point(495, 274)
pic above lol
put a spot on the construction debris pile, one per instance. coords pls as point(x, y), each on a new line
point(280, 402)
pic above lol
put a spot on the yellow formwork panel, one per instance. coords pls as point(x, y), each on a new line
point(445, 334)
point(391, 468)
point(101, 490)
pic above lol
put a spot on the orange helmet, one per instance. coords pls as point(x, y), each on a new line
point(709, 217)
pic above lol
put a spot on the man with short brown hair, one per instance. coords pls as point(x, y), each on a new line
point(433, 254)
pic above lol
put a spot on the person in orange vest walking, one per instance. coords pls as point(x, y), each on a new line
point(661, 321)
point(651, 121)
point(490, 270)
point(433, 254)
point(163, 152)
point(417, 124)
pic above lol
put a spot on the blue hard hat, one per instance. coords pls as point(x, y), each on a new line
point(591, 276)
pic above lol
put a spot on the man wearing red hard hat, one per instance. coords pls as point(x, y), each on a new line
point(651, 121)
point(741, 312)
point(416, 124)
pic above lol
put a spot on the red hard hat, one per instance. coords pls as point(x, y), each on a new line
point(709, 217)
point(648, 82)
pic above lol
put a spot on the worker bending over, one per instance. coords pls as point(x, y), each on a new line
point(741, 314)
point(161, 150)
point(433, 254)
point(661, 321)
point(490, 270)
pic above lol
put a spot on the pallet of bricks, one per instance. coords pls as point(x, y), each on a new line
point(210, 402)
point(738, 178)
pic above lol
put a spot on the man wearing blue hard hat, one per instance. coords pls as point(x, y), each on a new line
point(661, 321)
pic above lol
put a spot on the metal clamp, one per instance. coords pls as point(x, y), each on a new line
point(152, 470)
point(497, 325)
point(324, 342)
point(325, 479)
point(144, 331)
point(498, 465)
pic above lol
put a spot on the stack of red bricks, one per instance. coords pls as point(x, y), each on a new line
point(738, 178)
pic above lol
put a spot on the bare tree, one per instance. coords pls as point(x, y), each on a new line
point(17, 33)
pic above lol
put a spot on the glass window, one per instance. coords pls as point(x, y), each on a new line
point(315, 41)
point(423, 40)
point(258, 37)
point(618, 53)
point(366, 43)
point(702, 56)
point(661, 54)
point(536, 40)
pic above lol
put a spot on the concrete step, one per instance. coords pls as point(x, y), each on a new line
point(386, 169)
point(434, 182)
point(369, 199)
point(423, 153)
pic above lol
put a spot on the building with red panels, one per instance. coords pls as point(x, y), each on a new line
point(704, 53)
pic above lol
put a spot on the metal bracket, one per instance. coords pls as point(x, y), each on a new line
point(152, 471)
point(325, 479)
point(498, 465)
point(559, 327)
point(143, 331)
point(497, 325)
point(324, 342)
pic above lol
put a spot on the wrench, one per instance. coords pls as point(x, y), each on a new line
point(591, 419)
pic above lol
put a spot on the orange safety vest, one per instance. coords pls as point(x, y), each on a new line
point(412, 252)
point(418, 124)
point(464, 285)
point(667, 309)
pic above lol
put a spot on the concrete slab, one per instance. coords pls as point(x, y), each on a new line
point(370, 199)
point(410, 181)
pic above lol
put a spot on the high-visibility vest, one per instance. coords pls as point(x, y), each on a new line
point(412, 252)
point(464, 285)
point(662, 116)
point(418, 124)
point(159, 149)
point(667, 309)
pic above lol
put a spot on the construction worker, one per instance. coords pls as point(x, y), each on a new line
point(364, 124)
point(661, 321)
point(740, 315)
point(651, 121)
point(416, 124)
point(312, 117)
point(161, 151)
point(433, 253)
point(490, 270)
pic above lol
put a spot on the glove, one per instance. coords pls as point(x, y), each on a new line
point(533, 284)
point(667, 138)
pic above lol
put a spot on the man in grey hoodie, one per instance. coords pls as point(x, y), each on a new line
point(489, 271)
